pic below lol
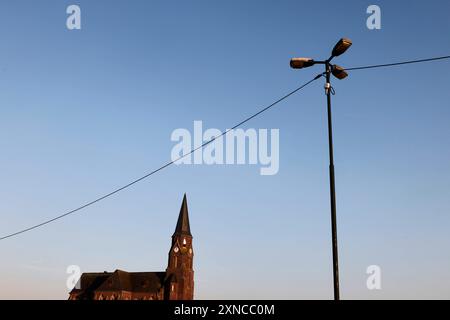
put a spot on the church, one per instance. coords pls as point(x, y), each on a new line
point(176, 283)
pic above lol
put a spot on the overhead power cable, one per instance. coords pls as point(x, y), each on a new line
point(209, 141)
point(397, 63)
point(161, 167)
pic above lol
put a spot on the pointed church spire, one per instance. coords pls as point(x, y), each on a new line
point(183, 220)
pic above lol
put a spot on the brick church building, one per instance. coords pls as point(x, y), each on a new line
point(176, 283)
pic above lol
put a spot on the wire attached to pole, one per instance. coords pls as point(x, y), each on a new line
point(397, 63)
point(208, 142)
point(162, 167)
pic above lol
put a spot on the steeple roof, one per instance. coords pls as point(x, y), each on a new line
point(183, 227)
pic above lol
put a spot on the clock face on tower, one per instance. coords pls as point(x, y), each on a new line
point(176, 249)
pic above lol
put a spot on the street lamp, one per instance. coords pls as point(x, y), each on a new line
point(340, 73)
point(299, 63)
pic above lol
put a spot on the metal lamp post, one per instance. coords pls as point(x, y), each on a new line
point(339, 73)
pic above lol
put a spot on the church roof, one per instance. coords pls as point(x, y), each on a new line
point(183, 220)
point(138, 282)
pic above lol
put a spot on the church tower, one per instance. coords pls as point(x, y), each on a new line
point(179, 272)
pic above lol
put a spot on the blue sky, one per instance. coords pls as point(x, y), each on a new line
point(83, 112)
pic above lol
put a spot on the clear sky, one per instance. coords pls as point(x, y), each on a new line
point(85, 111)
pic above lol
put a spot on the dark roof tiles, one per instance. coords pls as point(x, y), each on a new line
point(120, 280)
